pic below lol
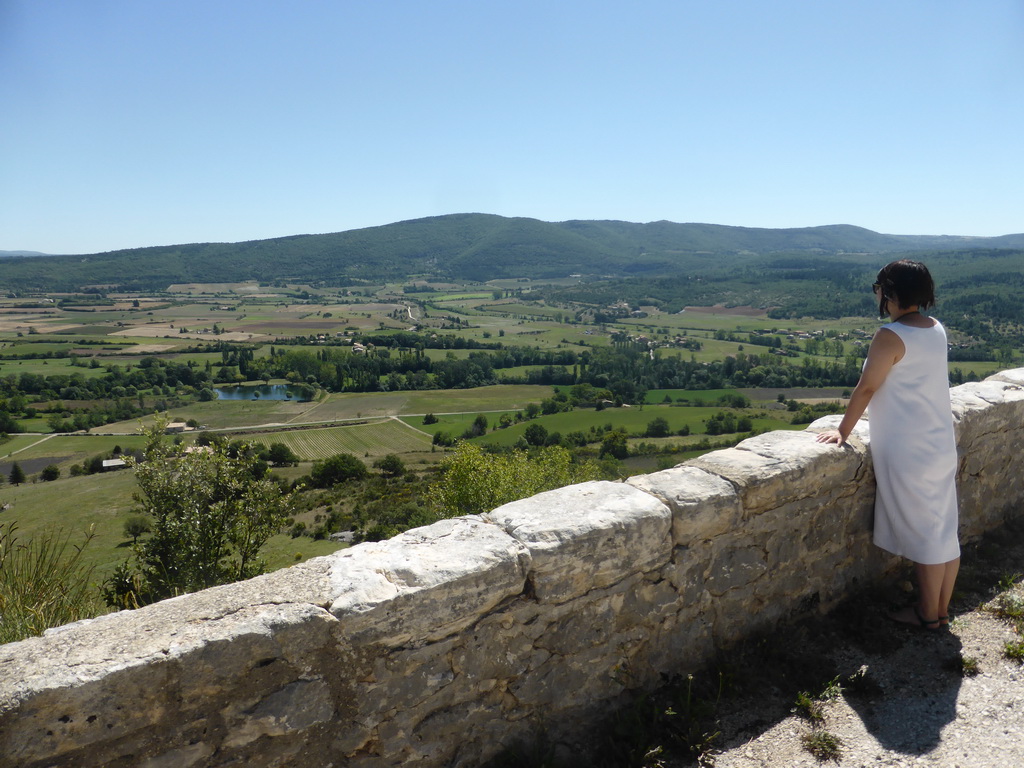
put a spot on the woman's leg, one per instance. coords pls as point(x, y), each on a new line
point(935, 588)
point(948, 582)
point(930, 580)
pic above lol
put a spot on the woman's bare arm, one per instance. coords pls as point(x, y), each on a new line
point(885, 351)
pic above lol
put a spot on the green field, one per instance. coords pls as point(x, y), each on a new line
point(694, 396)
point(103, 502)
point(60, 366)
point(491, 398)
point(372, 440)
point(633, 420)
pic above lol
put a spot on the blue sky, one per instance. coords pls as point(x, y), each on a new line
point(127, 123)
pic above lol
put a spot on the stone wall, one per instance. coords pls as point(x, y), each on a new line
point(441, 645)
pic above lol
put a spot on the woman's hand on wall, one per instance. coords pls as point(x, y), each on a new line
point(831, 436)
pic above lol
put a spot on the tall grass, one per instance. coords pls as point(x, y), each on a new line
point(43, 583)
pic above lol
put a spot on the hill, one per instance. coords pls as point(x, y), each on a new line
point(466, 247)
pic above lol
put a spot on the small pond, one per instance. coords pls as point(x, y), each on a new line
point(265, 392)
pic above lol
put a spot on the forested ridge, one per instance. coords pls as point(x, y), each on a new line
point(475, 247)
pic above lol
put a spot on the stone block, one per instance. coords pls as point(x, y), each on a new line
point(772, 469)
point(106, 681)
point(703, 504)
point(427, 583)
point(1011, 376)
point(861, 432)
point(587, 536)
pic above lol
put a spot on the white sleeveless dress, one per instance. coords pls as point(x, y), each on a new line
point(913, 450)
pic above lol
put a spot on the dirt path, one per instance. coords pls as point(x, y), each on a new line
point(43, 439)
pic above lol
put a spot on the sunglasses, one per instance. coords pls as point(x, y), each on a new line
point(876, 286)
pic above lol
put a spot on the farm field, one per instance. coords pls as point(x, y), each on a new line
point(755, 395)
point(220, 414)
point(369, 440)
point(45, 367)
point(241, 414)
point(634, 420)
point(490, 398)
point(17, 443)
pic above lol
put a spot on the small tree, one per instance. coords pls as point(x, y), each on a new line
point(210, 514)
point(479, 425)
point(657, 427)
point(614, 444)
point(475, 481)
point(17, 476)
point(337, 469)
point(430, 419)
point(135, 526)
point(442, 438)
point(280, 455)
point(50, 472)
point(535, 434)
point(390, 465)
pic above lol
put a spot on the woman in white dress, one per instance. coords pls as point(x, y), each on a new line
point(913, 448)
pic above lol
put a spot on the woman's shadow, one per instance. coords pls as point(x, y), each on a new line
point(908, 691)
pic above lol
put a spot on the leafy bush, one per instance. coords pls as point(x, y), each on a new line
point(657, 427)
point(390, 465)
point(474, 481)
point(337, 469)
point(280, 455)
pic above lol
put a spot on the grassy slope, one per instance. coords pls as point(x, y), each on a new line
point(104, 502)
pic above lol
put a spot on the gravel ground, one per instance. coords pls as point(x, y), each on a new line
point(906, 699)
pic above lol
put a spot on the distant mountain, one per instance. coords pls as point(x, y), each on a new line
point(4, 254)
point(470, 247)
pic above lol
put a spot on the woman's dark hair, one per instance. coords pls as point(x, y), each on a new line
point(907, 283)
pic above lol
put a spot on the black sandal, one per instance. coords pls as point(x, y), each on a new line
point(926, 625)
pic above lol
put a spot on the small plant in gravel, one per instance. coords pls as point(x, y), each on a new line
point(862, 683)
point(1009, 580)
point(1008, 605)
point(823, 745)
point(809, 707)
point(1014, 650)
point(832, 690)
point(968, 666)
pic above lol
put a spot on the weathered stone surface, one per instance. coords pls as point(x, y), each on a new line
point(993, 390)
point(703, 504)
point(772, 469)
point(861, 435)
point(183, 757)
point(426, 583)
point(295, 707)
point(587, 536)
point(124, 674)
point(1012, 376)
